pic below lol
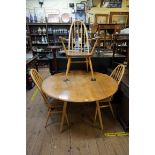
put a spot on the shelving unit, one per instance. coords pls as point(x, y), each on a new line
point(28, 39)
point(38, 34)
point(121, 46)
point(106, 32)
point(42, 35)
point(55, 30)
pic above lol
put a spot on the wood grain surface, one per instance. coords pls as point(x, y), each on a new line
point(79, 87)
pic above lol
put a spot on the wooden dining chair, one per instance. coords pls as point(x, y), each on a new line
point(79, 46)
point(53, 106)
point(117, 75)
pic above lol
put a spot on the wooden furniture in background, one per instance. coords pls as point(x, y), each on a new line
point(80, 89)
point(119, 18)
point(54, 49)
point(53, 106)
point(42, 35)
point(101, 18)
point(38, 41)
point(117, 75)
point(121, 46)
point(31, 62)
point(122, 100)
point(79, 46)
point(110, 29)
point(28, 39)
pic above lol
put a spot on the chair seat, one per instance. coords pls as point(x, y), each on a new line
point(54, 102)
point(78, 54)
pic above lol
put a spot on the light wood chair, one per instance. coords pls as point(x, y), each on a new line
point(117, 75)
point(79, 46)
point(53, 106)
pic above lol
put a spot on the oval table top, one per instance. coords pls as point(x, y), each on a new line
point(79, 87)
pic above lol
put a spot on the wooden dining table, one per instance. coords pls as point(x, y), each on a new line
point(80, 89)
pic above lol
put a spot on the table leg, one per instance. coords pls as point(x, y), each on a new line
point(63, 115)
point(99, 114)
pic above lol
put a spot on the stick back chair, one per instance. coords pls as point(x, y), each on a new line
point(78, 46)
point(53, 106)
point(117, 75)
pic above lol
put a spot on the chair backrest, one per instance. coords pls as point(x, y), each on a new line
point(78, 38)
point(38, 81)
point(118, 73)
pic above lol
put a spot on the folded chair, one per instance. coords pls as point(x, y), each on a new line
point(53, 106)
point(117, 75)
point(78, 46)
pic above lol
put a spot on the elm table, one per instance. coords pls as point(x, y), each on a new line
point(79, 88)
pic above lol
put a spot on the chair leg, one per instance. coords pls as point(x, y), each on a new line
point(49, 114)
point(91, 68)
point(87, 64)
point(68, 66)
point(95, 113)
point(63, 115)
point(67, 119)
point(111, 109)
point(99, 114)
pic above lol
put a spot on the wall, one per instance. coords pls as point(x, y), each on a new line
point(63, 6)
point(51, 4)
